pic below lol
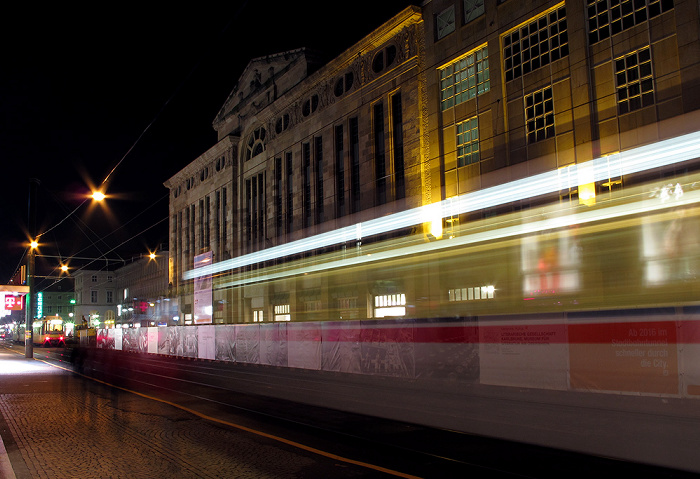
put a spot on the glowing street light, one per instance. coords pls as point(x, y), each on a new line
point(64, 268)
point(98, 195)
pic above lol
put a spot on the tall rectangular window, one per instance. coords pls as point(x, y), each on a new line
point(254, 208)
point(467, 142)
point(176, 246)
point(278, 195)
point(290, 191)
point(179, 258)
point(192, 222)
point(397, 132)
point(535, 44)
point(306, 187)
point(202, 221)
point(262, 203)
point(465, 78)
point(634, 82)
point(354, 165)
point(248, 211)
point(187, 229)
point(217, 221)
point(339, 172)
point(224, 223)
point(318, 157)
point(379, 154)
point(93, 296)
point(539, 115)
point(207, 223)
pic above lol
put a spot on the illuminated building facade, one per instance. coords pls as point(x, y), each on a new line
point(95, 297)
point(442, 100)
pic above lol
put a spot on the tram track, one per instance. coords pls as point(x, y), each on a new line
point(207, 388)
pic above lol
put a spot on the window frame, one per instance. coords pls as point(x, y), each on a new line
point(474, 64)
point(636, 72)
point(532, 115)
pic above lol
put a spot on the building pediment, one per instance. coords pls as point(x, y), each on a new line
point(263, 80)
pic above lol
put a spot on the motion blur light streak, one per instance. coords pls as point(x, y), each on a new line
point(659, 154)
point(586, 216)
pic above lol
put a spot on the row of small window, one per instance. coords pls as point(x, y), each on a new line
point(219, 165)
point(471, 294)
point(50, 311)
point(610, 17)
point(95, 278)
point(445, 21)
point(635, 90)
point(256, 141)
point(545, 38)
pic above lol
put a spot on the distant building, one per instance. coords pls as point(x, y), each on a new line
point(450, 98)
point(95, 297)
point(58, 299)
point(142, 288)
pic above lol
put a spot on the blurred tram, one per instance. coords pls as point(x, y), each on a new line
point(49, 331)
point(638, 249)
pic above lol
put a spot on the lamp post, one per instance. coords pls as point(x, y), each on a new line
point(28, 316)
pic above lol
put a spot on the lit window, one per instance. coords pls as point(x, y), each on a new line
point(282, 312)
point(535, 44)
point(609, 17)
point(467, 142)
point(389, 305)
point(539, 115)
point(471, 294)
point(465, 78)
point(633, 79)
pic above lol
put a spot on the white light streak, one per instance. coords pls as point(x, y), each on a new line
point(659, 154)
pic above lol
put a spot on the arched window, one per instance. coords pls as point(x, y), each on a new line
point(256, 143)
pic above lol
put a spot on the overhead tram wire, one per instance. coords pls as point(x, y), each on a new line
point(138, 139)
point(170, 98)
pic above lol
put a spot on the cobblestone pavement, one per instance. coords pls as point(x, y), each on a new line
point(57, 425)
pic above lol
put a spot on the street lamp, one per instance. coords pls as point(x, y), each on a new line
point(34, 244)
point(98, 195)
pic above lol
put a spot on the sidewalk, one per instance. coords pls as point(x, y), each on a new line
point(6, 471)
point(55, 424)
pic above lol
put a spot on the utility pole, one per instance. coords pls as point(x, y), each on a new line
point(28, 345)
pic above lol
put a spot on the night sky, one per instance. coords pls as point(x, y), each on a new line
point(78, 88)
